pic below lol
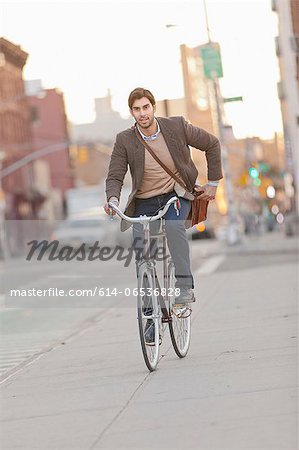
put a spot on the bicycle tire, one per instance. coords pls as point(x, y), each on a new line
point(146, 279)
point(179, 327)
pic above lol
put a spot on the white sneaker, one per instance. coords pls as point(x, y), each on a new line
point(186, 296)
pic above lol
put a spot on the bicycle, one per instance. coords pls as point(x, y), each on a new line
point(155, 305)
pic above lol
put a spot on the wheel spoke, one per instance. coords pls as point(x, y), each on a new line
point(149, 319)
point(180, 326)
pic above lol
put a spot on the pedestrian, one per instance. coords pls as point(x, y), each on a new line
point(169, 138)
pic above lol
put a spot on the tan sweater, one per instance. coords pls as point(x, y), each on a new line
point(155, 180)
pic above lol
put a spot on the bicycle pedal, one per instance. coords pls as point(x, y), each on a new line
point(166, 319)
point(152, 344)
point(182, 312)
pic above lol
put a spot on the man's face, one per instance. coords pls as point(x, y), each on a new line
point(143, 112)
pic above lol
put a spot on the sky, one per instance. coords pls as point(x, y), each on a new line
point(86, 48)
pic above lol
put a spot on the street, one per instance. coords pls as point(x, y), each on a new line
point(73, 377)
point(85, 153)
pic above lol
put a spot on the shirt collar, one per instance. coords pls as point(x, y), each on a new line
point(153, 136)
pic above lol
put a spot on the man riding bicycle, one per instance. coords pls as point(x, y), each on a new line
point(169, 138)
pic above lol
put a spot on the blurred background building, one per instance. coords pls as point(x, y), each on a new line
point(104, 128)
point(44, 157)
point(21, 199)
point(287, 51)
point(52, 172)
point(266, 156)
point(34, 142)
point(34, 151)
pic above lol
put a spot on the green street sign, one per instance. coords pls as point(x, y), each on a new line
point(232, 99)
point(210, 54)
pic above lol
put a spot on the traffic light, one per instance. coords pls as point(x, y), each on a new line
point(257, 181)
point(254, 175)
point(82, 155)
point(253, 172)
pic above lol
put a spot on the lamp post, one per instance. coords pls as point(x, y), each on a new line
point(210, 54)
point(233, 234)
point(213, 70)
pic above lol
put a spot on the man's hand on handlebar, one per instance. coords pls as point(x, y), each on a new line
point(109, 210)
point(141, 219)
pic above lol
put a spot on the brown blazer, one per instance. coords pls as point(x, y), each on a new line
point(178, 135)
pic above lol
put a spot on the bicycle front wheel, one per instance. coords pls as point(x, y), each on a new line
point(179, 326)
point(149, 318)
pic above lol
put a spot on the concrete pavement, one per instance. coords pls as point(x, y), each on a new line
point(237, 388)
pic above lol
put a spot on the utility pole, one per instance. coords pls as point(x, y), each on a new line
point(233, 235)
point(207, 21)
point(213, 70)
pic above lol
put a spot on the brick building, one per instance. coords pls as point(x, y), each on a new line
point(15, 133)
point(52, 170)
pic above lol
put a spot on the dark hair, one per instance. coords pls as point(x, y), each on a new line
point(138, 93)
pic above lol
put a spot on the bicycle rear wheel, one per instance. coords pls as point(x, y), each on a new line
point(179, 327)
point(149, 318)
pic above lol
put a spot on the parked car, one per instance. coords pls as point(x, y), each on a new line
point(83, 230)
point(88, 229)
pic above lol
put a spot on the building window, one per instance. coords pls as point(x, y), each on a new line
point(277, 46)
point(2, 59)
point(34, 116)
point(281, 90)
point(295, 44)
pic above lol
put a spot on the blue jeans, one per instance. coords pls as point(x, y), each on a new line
point(175, 232)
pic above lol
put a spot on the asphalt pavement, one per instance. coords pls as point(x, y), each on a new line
point(236, 389)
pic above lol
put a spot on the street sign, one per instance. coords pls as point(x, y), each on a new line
point(232, 99)
point(210, 54)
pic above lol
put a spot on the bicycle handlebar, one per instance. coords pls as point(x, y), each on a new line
point(144, 218)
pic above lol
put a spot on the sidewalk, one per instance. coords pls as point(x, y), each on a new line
point(235, 390)
point(265, 243)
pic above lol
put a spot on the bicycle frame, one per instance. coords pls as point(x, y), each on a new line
point(147, 258)
point(154, 311)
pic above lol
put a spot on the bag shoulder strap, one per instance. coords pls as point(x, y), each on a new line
point(145, 144)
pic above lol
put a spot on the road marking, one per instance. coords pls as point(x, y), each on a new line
point(211, 265)
point(25, 351)
point(74, 276)
point(29, 352)
point(14, 354)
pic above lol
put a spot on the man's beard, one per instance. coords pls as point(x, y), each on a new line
point(143, 125)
